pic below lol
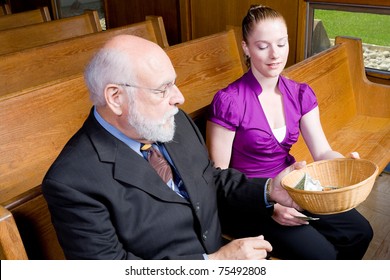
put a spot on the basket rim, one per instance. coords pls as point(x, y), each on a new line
point(341, 189)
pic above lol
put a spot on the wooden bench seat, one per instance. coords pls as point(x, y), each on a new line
point(25, 18)
point(355, 113)
point(46, 64)
point(33, 35)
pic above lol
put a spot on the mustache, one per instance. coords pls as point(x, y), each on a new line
point(171, 114)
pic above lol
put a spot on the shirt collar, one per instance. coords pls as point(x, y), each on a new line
point(134, 145)
point(256, 86)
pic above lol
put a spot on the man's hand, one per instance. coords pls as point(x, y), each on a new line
point(287, 216)
point(251, 248)
point(278, 193)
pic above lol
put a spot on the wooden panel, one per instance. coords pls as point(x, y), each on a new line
point(18, 6)
point(212, 16)
point(123, 12)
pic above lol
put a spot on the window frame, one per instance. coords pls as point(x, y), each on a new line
point(345, 7)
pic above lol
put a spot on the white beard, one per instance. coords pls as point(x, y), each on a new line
point(154, 131)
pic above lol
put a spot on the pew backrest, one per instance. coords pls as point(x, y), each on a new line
point(34, 125)
point(33, 35)
point(204, 66)
point(51, 62)
point(5, 10)
point(24, 18)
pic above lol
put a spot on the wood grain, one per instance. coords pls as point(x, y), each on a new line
point(58, 60)
point(29, 36)
point(24, 18)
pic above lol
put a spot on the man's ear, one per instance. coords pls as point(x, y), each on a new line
point(114, 96)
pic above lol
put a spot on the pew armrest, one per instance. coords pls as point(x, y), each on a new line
point(11, 245)
point(372, 99)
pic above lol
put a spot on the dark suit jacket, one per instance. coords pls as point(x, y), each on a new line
point(107, 202)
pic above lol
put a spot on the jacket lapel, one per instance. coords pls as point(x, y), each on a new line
point(129, 167)
point(186, 167)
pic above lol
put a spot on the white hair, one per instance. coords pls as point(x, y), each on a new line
point(107, 66)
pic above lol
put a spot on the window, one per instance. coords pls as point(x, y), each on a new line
point(371, 24)
point(68, 8)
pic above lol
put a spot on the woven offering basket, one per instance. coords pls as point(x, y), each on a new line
point(353, 179)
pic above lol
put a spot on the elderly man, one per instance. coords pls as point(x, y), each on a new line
point(107, 198)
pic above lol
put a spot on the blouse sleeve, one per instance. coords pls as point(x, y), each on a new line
point(224, 110)
point(307, 98)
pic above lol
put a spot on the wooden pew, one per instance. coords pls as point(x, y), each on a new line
point(355, 113)
point(46, 117)
point(5, 10)
point(29, 36)
point(24, 18)
point(46, 64)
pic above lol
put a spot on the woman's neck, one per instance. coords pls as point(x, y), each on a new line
point(268, 84)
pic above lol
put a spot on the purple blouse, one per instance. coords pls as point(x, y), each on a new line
point(256, 152)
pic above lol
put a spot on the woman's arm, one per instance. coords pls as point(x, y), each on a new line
point(315, 138)
point(219, 142)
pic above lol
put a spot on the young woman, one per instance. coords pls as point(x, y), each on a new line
point(252, 125)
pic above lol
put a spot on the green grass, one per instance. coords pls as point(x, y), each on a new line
point(371, 28)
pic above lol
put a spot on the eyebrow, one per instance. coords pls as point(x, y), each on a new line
point(264, 41)
point(168, 82)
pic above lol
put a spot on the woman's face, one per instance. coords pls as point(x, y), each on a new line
point(267, 48)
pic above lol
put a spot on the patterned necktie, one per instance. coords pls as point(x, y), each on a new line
point(164, 169)
point(158, 162)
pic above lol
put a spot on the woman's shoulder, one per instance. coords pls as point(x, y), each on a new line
point(292, 83)
point(294, 86)
point(237, 89)
point(232, 92)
